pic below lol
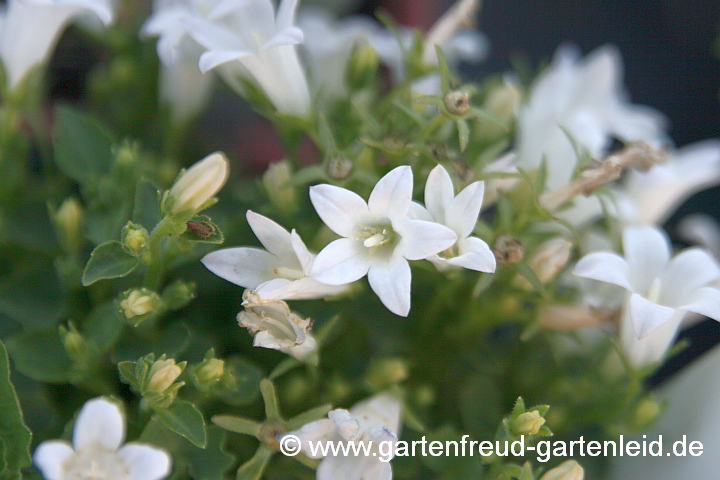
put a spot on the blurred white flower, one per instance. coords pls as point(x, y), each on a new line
point(376, 419)
point(379, 237)
point(654, 195)
point(29, 30)
point(460, 214)
point(281, 272)
point(661, 289)
point(273, 325)
point(250, 39)
point(584, 99)
point(702, 230)
point(96, 450)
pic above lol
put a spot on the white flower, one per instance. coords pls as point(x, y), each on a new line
point(376, 419)
point(661, 289)
point(460, 214)
point(249, 39)
point(655, 194)
point(281, 272)
point(29, 30)
point(587, 100)
point(701, 229)
point(96, 450)
point(274, 326)
point(379, 238)
point(199, 184)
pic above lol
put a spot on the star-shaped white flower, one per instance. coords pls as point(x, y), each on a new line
point(660, 288)
point(376, 419)
point(281, 272)
point(460, 214)
point(379, 238)
point(29, 30)
point(96, 451)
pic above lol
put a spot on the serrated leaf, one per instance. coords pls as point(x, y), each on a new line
point(15, 437)
point(186, 420)
point(108, 261)
point(253, 469)
point(238, 424)
point(41, 356)
point(82, 147)
point(463, 133)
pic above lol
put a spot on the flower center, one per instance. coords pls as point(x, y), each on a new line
point(375, 237)
point(654, 291)
point(95, 463)
point(451, 252)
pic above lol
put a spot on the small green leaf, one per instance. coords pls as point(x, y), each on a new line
point(104, 325)
point(242, 385)
point(238, 424)
point(107, 261)
point(147, 205)
point(463, 133)
point(33, 297)
point(41, 356)
point(272, 411)
point(429, 100)
point(127, 371)
point(82, 146)
point(444, 69)
point(186, 420)
point(200, 229)
point(15, 437)
point(254, 468)
point(310, 416)
point(527, 272)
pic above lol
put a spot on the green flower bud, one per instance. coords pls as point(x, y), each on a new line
point(210, 370)
point(69, 220)
point(363, 66)
point(126, 154)
point(196, 186)
point(527, 423)
point(135, 239)
point(163, 374)
point(388, 371)
point(280, 192)
point(457, 103)
point(75, 344)
point(646, 411)
point(504, 101)
point(568, 470)
point(339, 167)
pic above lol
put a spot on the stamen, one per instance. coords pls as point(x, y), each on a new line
point(289, 273)
point(655, 290)
point(375, 240)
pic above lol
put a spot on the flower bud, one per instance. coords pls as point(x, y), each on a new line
point(457, 103)
point(126, 154)
point(388, 371)
point(339, 167)
point(527, 423)
point(280, 192)
point(197, 185)
point(69, 220)
point(137, 303)
point(504, 101)
point(210, 370)
point(363, 66)
point(75, 344)
point(549, 260)
point(135, 239)
point(568, 470)
point(163, 373)
point(646, 411)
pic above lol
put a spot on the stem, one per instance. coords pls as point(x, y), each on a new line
point(156, 268)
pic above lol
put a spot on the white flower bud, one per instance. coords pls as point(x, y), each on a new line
point(199, 183)
point(163, 373)
point(527, 423)
point(568, 470)
point(69, 220)
point(136, 304)
point(212, 370)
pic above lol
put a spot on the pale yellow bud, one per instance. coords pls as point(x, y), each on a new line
point(548, 261)
point(162, 374)
point(135, 239)
point(280, 192)
point(213, 369)
point(528, 423)
point(199, 183)
point(646, 411)
point(69, 219)
point(504, 101)
point(388, 371)
point(568, 470)
point(457, 103)
point(136, 304)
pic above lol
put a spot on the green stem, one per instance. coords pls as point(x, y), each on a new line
point(156, 268)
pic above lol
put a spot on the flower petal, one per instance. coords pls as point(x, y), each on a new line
point(303, 289)
point(339, 208)
point(391, 283)
point(647, 251)
point(687, 271)
point(289, 36)
point(474, 255)
point(605, 267)
point(50, 457)
point(318, 431)
point(145, 462)
point(301, 252)
point(274, 238)
point(706, 301)
point(286, 14)
point(213, 59)
point(418, 212)
point(420, 239)
point(651, 349)
point(647, 316)
point(392, 195)
point(100, 421)
point(465, 209)
point(245, 266)
point(439, 193)
point(341, 262)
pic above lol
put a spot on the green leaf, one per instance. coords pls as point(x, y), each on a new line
point(33, 297)
point(243, 385)
point(186, 420)
point(201, 229)
point(254, 468)
point(444, 69)
point(272, 410)
point(146, 211)
point(310, 416)
point(107, 261)
point(137, 343)
point(238, 424)
point(463, 133)
point(41, 356)
point(524, 269)
point(104, 325)
point(127, 372)
point(15, 437)
point(430, 100)
point(82, 146)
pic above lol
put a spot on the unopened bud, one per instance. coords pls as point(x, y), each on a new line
point(504, 101)
point(211, 370)
point(163, 373)
point(388, 371)
point(363, 66)
point(135, 239)
point(548, 261)
point(69, 220)
point(127, 153)
point(198, 185)
point(457, 103)
point(280, 191)
point(527, 423)
point(646, 411)
point(137, 303)
point(339, 167)
point(74, 343)
point(568, 470)
point(508, 250)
